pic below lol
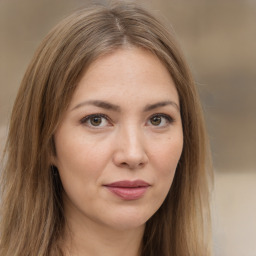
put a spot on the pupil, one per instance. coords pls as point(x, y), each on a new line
point(96, 121)
point(156, 120)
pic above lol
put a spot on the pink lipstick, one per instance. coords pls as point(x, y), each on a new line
point(128, 190)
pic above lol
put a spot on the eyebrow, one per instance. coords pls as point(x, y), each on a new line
point(161, 104)
point(100, 104)
point(113, 107)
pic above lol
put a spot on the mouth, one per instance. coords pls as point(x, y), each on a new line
point(128, 190)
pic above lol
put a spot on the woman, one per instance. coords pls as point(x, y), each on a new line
point(107, 152)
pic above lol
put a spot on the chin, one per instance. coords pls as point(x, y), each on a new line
point(129, 220)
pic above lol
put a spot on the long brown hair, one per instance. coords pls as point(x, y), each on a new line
point(32, 217)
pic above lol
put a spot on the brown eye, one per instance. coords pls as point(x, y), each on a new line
point(156, 120)
point(95, 120)
point(160, 120)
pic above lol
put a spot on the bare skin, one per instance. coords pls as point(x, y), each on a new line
point(123, 125)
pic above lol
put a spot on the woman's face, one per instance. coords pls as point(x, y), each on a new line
point(120, 141)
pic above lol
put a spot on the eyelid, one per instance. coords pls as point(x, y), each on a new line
point(167, 117)
point(86, 118)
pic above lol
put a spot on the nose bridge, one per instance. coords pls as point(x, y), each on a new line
point(132, 142)
point(130, 146)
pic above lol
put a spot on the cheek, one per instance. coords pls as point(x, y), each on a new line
point(167, 153)
point(80, 166)
point(165, 158)
point(77, 151)
point(80, 163)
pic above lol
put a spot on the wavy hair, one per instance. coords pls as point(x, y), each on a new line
point(32, 217)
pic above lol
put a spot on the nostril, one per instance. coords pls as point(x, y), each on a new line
point(131, 165)
point(131, 157)
point(124, 164)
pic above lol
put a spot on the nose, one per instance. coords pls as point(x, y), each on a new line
point(130, 151)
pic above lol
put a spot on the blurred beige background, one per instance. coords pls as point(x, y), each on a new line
point(219, 40)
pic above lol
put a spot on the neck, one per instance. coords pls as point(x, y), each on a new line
point(89, 238)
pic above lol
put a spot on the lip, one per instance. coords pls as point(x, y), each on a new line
point(128, 190)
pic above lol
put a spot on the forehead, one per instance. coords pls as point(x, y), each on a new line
point(127, 73)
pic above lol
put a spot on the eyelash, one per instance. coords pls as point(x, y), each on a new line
point(86, 119)
point(168, 118)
